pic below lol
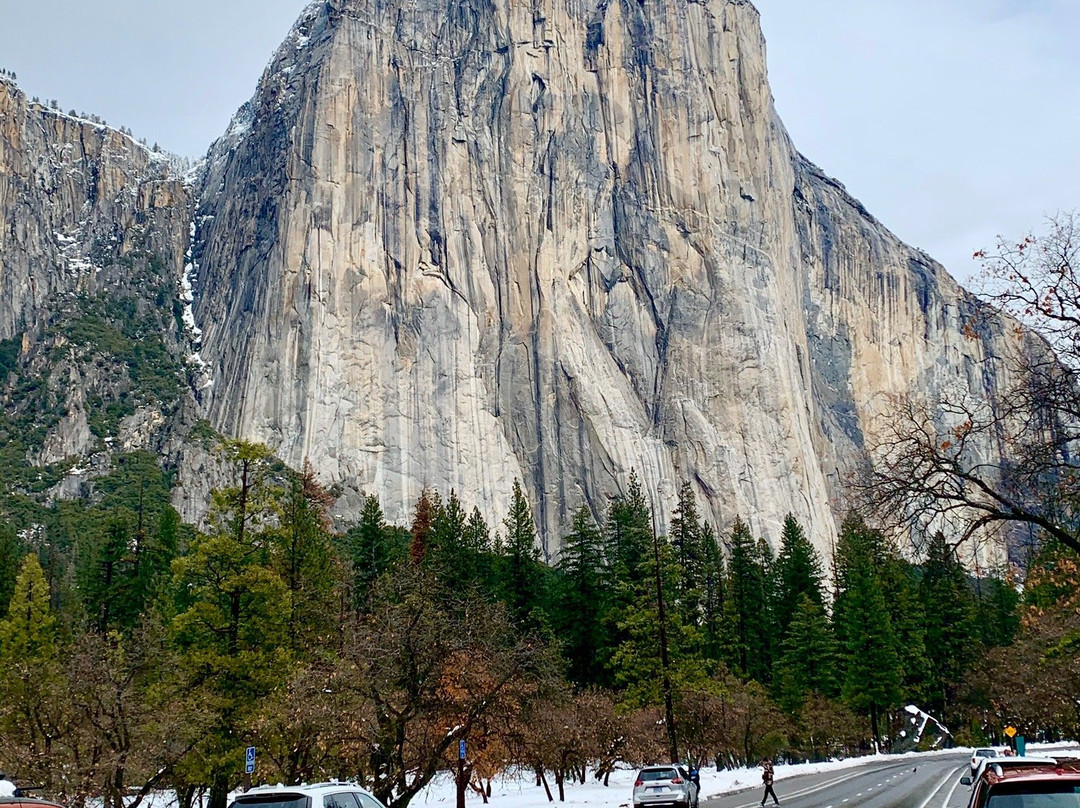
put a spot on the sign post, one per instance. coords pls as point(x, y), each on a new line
point(249, 767)
point(461, 780)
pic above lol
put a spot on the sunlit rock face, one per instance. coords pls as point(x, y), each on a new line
point(454, 243)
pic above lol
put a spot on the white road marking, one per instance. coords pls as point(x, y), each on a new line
point(951, 792)
point(938, 788)
point(810, 790)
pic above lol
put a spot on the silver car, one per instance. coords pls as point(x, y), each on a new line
point(665, 785)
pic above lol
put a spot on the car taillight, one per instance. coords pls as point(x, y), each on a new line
point(638, 783)
point(677, 781)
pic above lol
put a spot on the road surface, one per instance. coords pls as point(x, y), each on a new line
point(929, 782)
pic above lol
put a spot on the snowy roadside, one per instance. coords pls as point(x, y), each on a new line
point(519, 790)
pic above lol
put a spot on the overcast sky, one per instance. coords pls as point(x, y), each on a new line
point(952, 120)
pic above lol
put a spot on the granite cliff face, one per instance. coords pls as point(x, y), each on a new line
point(83, 209)
point(94, 228)
point(451, 244)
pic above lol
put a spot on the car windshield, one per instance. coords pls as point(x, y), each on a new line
point(985, 753)
point(657, 774)
point(271, 801)
point(1035, 795)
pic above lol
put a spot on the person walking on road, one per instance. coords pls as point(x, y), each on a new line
point(767, 779)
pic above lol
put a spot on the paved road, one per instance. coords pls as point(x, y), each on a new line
point(931, 782)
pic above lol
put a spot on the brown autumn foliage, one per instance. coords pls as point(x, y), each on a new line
point(1034, 684)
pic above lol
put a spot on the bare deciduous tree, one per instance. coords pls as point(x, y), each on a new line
point(967, 464)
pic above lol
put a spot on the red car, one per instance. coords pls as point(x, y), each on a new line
point(27, 802)
point(1035, 786)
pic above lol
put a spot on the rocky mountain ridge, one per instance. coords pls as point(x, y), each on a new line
point(451, 245)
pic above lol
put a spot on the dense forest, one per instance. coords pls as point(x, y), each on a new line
point(137, 652)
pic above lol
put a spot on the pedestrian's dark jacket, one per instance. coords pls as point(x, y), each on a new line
point(767, 772)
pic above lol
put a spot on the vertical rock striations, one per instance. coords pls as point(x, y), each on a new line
point(453, 243)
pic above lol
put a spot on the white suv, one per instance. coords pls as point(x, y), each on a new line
point(665, 785)
point(317, 795)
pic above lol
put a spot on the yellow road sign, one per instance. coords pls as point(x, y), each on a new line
point(1010, 731)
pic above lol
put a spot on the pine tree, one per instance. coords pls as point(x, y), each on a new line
point(949, 608)
point(453, 556)
point(302, 556)
point(900, 586)
point(798, 572)
point(372, 547)
point(581, 609)
point(808, 660)
point(10, 560)
point(231, 631)
point(997, 616)
point(522, 576)
point(106, 571)
point(686, 541)
point(868, 647)
point(422, 528)
point(628, 533)
point(31, 680)
point(715, 637)
point(747, 605)
point(658, 657)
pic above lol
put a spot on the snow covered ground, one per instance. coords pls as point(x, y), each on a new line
point(521, 791)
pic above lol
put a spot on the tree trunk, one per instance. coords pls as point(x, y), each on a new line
point(543, 779)
point(185, 796)
point(219, 792)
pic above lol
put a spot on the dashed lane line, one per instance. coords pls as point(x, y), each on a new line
point(810, 789)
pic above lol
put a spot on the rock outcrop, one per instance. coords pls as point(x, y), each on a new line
point(84, 209)
point(449, 244)
point(94, 227)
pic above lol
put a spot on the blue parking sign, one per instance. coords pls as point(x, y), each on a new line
point(461, 749)
point(249, 760)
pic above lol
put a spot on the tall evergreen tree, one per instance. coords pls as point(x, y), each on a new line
point(453, 555)
point(746, 603)
point(372, 547)
point(807, 662)
point(868, 645)
point(658, 657)
point(302, 556)
point(581, 610)
point(423, 526)
point(899, 583)
point(715, 637)
point(628, 533)
point(522, 576)
point(686, 542)
point(31, 681)
point(798, 572)
point(949, 607)
point(231, 630)
point(997, 616)
point(10, 560)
